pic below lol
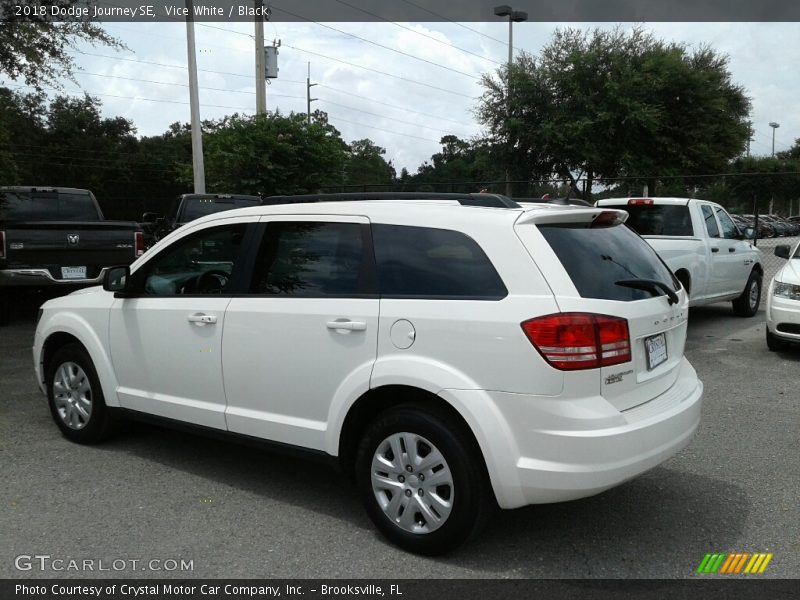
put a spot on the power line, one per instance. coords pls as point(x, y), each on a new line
point(428, 85)
point(181, 84)
point(377, 44)
point(435, 14)
point(354, 95)
point(430, 37)
point(408, 135)
point(383, 116)
point(181, 67)
point(90, 93)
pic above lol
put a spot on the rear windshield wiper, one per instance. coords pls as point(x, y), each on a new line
point(650, 285)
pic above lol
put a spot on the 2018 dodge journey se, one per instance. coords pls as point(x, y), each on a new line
point(452, 352)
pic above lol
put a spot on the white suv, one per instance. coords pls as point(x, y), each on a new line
point(451, 352)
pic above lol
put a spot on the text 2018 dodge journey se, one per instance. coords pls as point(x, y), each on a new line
point(451, 352)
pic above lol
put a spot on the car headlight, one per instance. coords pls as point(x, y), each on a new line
point(786, 290)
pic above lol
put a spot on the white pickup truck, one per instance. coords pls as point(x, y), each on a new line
point(713, 259)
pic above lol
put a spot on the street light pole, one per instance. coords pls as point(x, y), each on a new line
point(774, 126)
point(514, 16)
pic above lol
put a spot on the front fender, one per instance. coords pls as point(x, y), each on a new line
point(80, 328)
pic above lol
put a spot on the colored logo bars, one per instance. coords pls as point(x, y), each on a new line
point(735, 563)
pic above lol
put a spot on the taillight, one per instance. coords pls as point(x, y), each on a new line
point(640, 201)
point(138, 243)
point(2, 244)
point(573, 341)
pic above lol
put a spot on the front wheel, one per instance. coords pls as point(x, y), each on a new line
point(747, 304)
point(76, 398)
point(422, 480)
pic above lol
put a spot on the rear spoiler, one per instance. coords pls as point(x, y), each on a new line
point(577, 216)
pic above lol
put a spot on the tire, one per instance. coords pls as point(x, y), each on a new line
point(445, 516)
point(76, 398)
point(774, 343)
point(747, 304)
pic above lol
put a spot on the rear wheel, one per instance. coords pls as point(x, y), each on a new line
point(422, 480)
point(774, 343)
point(747, 304)
point(76, 398)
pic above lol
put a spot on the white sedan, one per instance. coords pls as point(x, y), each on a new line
point(783, 301)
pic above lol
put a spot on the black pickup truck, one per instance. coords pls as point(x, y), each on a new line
point(188, 207)
point(58, 238)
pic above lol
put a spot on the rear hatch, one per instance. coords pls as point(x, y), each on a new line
point(601, 270)
point(63, 233)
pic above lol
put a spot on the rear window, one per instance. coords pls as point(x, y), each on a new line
point(194, 208)
point(47, 206)
point(658, 219)
point(422, 262)
point(596, 258)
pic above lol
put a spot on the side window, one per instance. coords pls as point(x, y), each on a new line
point(200, 263)
point(729, 229)
point(433, 263)
point(711, 222)
point(312, 259)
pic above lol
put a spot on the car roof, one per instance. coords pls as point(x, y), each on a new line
point(42, 188)
point(436, 212)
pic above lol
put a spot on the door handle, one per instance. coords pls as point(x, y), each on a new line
point(201, 320)
point(347, 325)
point(731, 249)
point(715, 249)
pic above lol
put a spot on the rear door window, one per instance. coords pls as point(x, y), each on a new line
point(596, 258)
point(424, 262)
point(658, 219)
point(313, 259)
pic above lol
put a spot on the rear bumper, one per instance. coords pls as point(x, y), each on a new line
point(569, 449)
point(43, 277)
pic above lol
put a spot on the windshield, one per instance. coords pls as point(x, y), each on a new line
point(47, 206)
point(596, 258)
point(194, 208)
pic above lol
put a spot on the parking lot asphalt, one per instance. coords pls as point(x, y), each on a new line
point(234, 511)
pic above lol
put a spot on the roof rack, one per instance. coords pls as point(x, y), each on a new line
point(558, 201)
point(483, 200)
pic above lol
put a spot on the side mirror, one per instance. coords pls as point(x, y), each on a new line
point(151, 218)
point(749, 233)
point(782, 251)
point(117, 280)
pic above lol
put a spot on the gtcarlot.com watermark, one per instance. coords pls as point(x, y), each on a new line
point(47, 563)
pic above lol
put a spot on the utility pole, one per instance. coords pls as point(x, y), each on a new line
point(198, 168)
point(749, 136)
point(309, 99)
point(261, 83)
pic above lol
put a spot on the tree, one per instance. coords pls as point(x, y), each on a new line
point(272, 154)
point(37, 49)
point(603, 104)
point(365, 164)
point(793, 152)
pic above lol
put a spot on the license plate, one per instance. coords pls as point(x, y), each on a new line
point(73, 272)
point(656, 350)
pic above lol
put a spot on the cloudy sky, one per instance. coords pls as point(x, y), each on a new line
point(403, 85)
